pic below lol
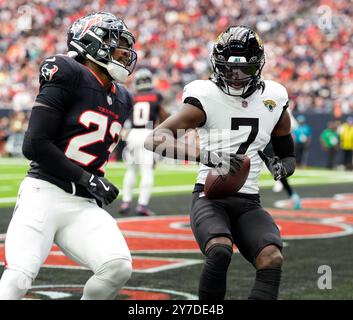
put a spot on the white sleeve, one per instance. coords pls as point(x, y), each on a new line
point(194, 89)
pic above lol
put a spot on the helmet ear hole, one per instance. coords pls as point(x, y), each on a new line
point(99, 32)
point(101, 53)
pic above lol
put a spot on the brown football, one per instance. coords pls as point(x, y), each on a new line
point(217, 188)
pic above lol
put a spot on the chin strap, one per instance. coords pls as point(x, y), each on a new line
point(249, 91)
point(115, 69)
point(259, 84)
point(72, 54)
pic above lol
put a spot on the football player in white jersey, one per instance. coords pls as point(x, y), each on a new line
point(235, 112)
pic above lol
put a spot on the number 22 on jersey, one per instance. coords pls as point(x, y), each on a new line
point(88, 118)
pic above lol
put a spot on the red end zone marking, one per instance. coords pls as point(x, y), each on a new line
point(127, 293)
point(306, 229)
point(154, 237)
point(338, 202)
point(172, 234)
point(144, 295)
point(156, 224)
point(140, 264)
point(140, 244)
point(324, 217)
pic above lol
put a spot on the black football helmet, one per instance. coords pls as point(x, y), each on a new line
point(143, 79)
point(96, 36)
point(237, 60)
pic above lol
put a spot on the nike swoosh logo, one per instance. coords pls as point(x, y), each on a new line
point(51, 59)
point(104, 186)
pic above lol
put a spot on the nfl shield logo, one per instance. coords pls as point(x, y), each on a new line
point(109, 99)
point(245, 104)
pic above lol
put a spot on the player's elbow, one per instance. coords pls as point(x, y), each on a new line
point(27, 147)
point(35, 148)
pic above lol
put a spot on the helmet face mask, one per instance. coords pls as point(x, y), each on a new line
point(122, 43)
point(235, 76)
point(101, 37)
point(237, 61)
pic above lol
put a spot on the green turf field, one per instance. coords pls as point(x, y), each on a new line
point(169, 178)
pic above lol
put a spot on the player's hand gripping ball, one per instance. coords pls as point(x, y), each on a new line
point(228, 179)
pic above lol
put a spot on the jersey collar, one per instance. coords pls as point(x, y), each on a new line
point(112, 87)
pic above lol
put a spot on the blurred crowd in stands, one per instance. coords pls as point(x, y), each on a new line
point(308, 45)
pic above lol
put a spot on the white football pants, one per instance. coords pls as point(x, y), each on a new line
point(45, 214)
point(137, 157)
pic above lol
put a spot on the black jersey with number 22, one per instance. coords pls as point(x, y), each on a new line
point(91, 116)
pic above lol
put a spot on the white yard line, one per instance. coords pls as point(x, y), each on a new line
point(8, 200)
point(9, 176)
point(189, 188)
point(13, 162)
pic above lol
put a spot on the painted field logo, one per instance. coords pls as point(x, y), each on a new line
point(339, 202)
point(150, 237)
point(74, 292)
point(172, 234)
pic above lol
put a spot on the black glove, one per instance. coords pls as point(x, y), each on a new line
point(274, 165)
point(100, 188)
point(223, 163)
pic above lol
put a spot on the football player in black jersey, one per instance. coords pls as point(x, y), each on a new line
point(74, 126)
point(147, 111)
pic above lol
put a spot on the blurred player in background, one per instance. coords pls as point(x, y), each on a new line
point(302, 138)
point(74, 126)
point(345, 132)
point(329, 140)
point(235, 112)
point(147, 112)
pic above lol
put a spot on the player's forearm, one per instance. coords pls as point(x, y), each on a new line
point(164, 143)
point(51, 159)
point(283, 147)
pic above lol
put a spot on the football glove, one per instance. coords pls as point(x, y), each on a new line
point(100, 188)
point(223, 163)
point(274, 165)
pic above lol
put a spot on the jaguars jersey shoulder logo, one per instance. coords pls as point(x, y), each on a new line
point(269, 104)
point(48, 70)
